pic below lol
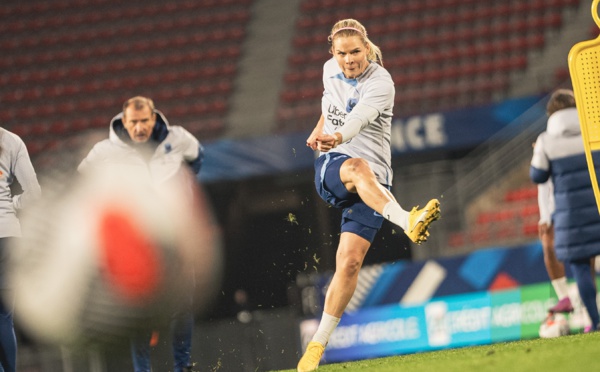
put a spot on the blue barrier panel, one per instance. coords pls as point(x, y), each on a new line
point(506, 315)
point(459, 320)
point(445, 322)
point(378, 331)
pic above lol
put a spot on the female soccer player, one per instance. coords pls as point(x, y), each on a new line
point(353, 170)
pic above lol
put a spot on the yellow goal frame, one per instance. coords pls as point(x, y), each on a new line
point(584, 68)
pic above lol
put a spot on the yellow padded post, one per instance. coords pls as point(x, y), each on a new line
point(584, 67)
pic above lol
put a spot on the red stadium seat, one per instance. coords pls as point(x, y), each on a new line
point(34, 147)
point(456, 239)
point(480, 236)
point(21, 130)
point(561, 75)
point(531, 210)
point(521, 194)
point(505, 232)
point(58, 127)
point(530, 229)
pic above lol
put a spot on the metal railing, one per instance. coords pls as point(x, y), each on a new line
point(459, 182)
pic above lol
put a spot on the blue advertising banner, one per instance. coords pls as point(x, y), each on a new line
point(477, 318)
point(506, 315)
point(376, 332)
point(459, 320)
point(238, 159)
point(492, 269)
point(462, 128)
point(453, 321)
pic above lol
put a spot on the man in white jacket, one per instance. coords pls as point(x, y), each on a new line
point(141, 139)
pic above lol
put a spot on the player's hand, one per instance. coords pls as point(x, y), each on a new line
point(326, 142)
point(311, 141)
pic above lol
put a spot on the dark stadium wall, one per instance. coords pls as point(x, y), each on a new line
point(275, 228)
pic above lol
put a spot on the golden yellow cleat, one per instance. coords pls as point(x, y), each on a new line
point(311, 358)
point(420, 219)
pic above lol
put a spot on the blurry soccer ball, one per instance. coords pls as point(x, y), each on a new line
point(111, 254)
point(555, 325)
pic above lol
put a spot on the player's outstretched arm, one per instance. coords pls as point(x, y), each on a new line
point(311, 141)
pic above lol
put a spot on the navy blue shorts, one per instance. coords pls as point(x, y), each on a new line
point(357, 218)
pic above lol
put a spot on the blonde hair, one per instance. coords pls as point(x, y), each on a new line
point(352, 27)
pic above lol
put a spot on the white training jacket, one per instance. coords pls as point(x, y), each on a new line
point(174, 147)
point(374, 88)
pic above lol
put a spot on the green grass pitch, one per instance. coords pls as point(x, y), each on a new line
point(579, 352)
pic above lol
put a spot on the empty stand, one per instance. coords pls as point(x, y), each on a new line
point(76, 60)
point(427, 46)
point(68, 65)
point(515, 217)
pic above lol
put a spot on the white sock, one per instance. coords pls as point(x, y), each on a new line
point(394, 213)
point(561, 287)
point(326, 328)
